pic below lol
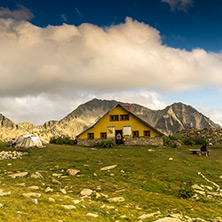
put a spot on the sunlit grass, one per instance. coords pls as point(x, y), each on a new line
point(148, 181)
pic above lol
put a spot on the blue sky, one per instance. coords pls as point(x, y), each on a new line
point(153, 52)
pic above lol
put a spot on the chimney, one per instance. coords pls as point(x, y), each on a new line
point(129, 107)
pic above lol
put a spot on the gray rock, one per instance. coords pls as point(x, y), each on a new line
point(72, 172)
point(22, 174)
point(69, 207)
point(36, 195)
point(116, 199)
point(36, 175)
point(86, 192)
point(108, 167)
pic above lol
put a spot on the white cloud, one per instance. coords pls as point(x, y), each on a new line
point(179, 4)
point(214, 113)
point(86, 61)
point(127, 56)
point(21, 13)
point(42, 108)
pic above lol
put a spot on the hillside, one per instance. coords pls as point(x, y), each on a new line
point(147, 183)
point(170, 120)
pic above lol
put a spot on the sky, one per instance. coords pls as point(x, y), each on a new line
point(56, 55)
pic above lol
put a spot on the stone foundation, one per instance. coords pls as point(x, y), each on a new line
point(130, 141)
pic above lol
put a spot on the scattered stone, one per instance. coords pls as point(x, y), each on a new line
point(36, 175)
point(150, 150)
point(112, 174)
point(209, 188)
point(145, 216)
point(11, 155)
point(57, 175)
point(86, 192)
point(200, 192)
point(63, 191)
point(69, 207)
point(76, 201)
point(1, 205)
point(34, 187)
point(35, 201)
point(104, 195)
point(9, 164)
point(116, 199)
point(36, 195)
point(92, 215)
point(51, 199)
point(197, 187)
point(48, 189)
point(94, 149)
point(21, 184)
point(72, 172)
point(64, 177)
point(108, 167)
point(170, 158)
point(98, 195)
point(22, 174)
point(94, 174)
point(197, 220)
point(168, 219)
point(123, 216)
point(56, 181)
point(4, 193)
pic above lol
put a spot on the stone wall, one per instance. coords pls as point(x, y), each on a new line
point(154, 141)
point(130, 141)
point(92, 142)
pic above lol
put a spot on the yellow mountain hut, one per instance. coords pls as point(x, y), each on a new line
point(118, 125)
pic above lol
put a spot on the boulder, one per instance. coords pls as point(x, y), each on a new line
point(22, 174)
point(72, 172)
point(108, 167)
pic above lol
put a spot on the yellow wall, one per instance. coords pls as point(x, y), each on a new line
point(135, 123)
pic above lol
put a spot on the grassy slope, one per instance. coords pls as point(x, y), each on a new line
point(150, 182)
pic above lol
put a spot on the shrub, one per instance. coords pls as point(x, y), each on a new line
point(62, 140)
point(200, 141)
point(166, 141)
point(174, 138)
point(105, 144)
point(186, 191)
point(188, 142)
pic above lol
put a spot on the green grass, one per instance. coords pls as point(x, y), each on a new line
point(148, 181)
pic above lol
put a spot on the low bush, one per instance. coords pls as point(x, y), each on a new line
point(186, 191)
point(62, 140)
point(200, 141)
point(174, 138)
point(166, 141)
point(105, 144)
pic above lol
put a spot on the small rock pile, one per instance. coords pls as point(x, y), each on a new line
point(11, 155)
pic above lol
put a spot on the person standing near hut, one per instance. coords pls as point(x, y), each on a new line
point(118, 138)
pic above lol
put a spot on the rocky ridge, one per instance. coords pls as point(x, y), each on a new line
point(170, 120)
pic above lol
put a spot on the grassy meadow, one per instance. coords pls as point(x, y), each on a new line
point(144, 177)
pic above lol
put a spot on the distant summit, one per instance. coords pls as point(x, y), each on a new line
point(173, 118)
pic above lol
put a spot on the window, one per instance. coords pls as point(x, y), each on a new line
point(135, 133)
point(124, 117)
point(103, 135)
point(114, 117)
point(147, 133)
point(90, 135)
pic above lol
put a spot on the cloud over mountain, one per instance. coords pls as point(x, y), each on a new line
point(75, 60)
point(127, 56)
